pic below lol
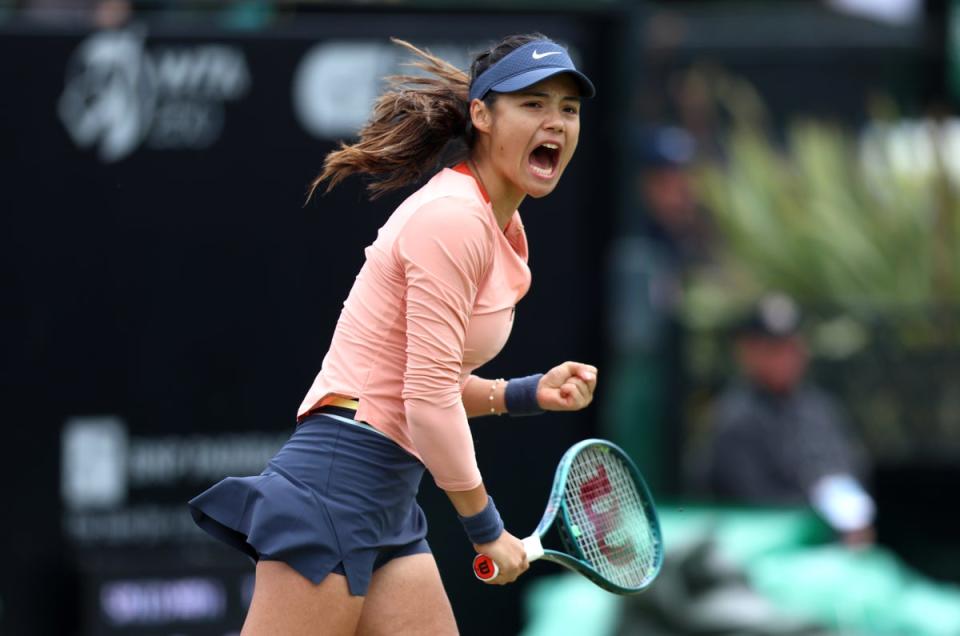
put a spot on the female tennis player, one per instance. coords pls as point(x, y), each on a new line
point(333, 521)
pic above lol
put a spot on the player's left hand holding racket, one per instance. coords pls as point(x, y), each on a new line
point(605, 518)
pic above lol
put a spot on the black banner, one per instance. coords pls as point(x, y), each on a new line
point(168, 298)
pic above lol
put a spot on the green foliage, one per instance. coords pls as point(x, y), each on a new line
point(868, 225)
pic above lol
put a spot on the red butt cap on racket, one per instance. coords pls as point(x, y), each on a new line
point(484, 568)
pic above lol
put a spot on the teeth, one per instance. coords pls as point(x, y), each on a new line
point(541, 172)
point(551, 146)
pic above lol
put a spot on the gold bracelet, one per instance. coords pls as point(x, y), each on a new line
point(493, 390)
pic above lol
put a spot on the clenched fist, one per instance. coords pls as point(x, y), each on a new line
point(567, 387)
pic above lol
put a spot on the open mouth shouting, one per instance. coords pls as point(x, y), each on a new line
point(544, 160)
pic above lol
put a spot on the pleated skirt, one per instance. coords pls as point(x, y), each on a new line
point(339, 496)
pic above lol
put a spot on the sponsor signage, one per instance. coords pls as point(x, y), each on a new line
point(121, 489)
point(121, 93)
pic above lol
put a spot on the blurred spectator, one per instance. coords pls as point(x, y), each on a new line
point(664, 194)
point(111, 14)
point(778, 439)
point(104, 14)
point(661, 235)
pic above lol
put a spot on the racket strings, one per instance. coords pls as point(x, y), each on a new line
point(609, 518)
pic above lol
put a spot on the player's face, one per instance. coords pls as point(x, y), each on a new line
point(533, 134)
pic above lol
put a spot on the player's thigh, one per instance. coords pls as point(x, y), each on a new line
point(285, 602)
point(406, 597)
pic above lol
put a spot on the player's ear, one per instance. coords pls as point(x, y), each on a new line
point(480, 115)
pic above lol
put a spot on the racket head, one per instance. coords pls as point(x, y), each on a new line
point(606, 518)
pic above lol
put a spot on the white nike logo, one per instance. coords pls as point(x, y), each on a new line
point(540, 56)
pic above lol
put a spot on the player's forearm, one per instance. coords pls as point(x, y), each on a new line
point(477, 393)
point(468, 502)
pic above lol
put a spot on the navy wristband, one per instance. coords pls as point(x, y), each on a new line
point(485, 526)
point(520, 396)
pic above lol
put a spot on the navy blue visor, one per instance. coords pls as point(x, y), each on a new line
point(525, 67)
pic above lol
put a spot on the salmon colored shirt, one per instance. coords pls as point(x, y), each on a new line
point(433, 301)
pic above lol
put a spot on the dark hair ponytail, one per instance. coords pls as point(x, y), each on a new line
point(416, 122)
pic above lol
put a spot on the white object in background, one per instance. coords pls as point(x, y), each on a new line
point(901, 12)
point(843, 502)
point(93, 471)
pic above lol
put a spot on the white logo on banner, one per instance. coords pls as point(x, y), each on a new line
point(94, 462)
point(105, 472)
point(150, 602)
point(337, 82)
point(119, 94)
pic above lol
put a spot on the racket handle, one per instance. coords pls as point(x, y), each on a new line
point(485, 568)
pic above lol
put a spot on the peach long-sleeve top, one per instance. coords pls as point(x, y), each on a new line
point(434, 300)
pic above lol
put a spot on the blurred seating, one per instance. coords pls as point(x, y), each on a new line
point(761, 571)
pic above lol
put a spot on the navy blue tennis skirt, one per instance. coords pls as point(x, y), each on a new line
point(338, 497)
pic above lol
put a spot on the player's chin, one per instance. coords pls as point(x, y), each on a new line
point(539, 188)
point(539, 193)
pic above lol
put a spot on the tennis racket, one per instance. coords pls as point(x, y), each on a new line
point(606, 519)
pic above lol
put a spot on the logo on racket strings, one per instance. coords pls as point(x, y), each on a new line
point(603, 510)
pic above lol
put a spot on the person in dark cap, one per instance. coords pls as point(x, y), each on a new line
point(775, 438)
point(663, 187)
point(661, 236)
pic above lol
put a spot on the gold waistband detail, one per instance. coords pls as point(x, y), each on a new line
point(344, 403)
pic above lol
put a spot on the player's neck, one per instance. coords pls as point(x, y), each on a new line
point(504, 196)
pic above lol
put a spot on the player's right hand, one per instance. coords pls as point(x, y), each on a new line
point(508, 553)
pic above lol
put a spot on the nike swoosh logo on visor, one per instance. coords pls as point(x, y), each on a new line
point(540, 56)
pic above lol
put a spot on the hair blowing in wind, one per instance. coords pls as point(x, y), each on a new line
point(412, 124)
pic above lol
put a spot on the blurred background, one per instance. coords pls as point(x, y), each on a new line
point(758, 243)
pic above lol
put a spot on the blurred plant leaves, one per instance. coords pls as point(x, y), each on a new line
point(865, 223)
